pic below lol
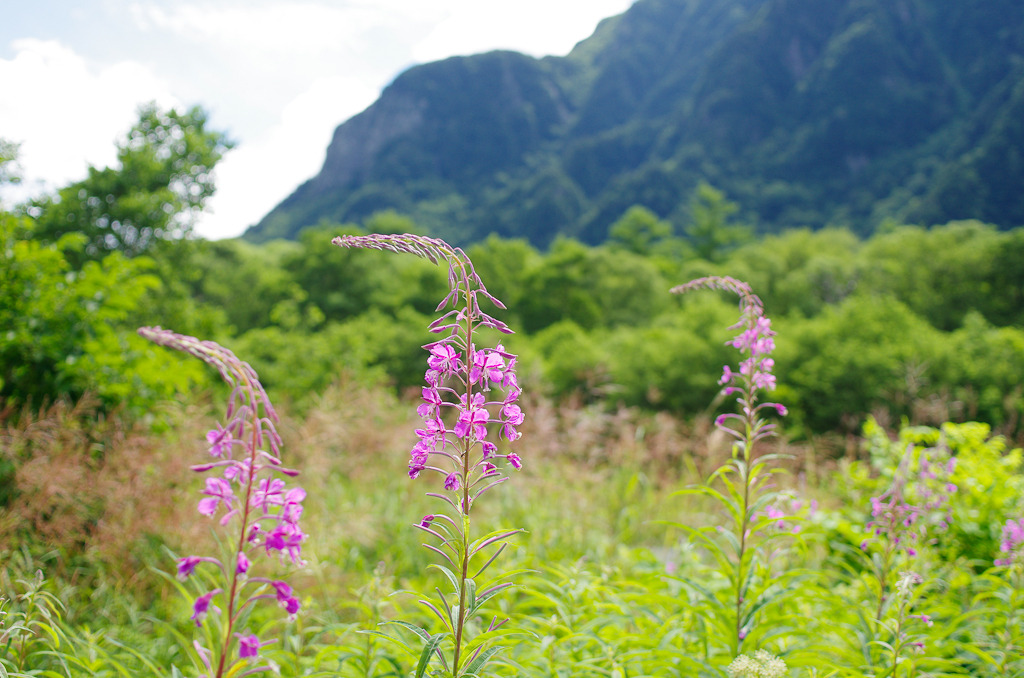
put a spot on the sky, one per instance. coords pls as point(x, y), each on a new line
point(277, 76)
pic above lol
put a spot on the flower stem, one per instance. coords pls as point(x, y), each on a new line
point(467, 448)
point(232, 564)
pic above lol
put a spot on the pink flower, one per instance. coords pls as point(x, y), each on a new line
point(187, 565)
point(220, 441)
point(202, 606)
point(444, 359)
point(248, 646)
point(473, 420)
point(218, 490)
point(489, 365)
point(513, 415)
point(1011, 542)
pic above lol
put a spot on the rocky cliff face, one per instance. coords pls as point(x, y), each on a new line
point(806, 112)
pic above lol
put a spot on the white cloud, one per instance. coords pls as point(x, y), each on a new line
point(255, 177)
point(277, 76)
point(293, 28)
point(535, 27)
point(68, 113)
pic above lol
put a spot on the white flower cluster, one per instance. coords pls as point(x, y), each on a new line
point(762, 665)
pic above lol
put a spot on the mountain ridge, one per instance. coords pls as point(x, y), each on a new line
point(805, 112)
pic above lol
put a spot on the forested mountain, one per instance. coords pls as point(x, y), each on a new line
point(805, 112)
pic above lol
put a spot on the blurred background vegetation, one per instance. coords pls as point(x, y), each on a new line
point(924, 323)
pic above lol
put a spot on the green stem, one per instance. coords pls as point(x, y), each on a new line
point(748, 443)
point(466, 449)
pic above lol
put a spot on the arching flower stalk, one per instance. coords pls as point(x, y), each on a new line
point(745, 478)
point(244, 490)
point(470, 397)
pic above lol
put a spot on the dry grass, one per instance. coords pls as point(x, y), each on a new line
point(99, 490)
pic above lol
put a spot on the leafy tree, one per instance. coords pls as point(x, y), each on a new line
point(639, 231)
point(504, 266)
point(67, 332)
point(343, 283)
point(799, 271)
point(980, 372)
point(9, 171)
point(246, 282)
point(940, 273)
point(675, 361)
point(593, 287)
point(867, 352)
point(710, 232)
point(163, 179)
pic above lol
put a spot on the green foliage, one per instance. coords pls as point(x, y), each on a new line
point(342, 284)
point(864, 353)
point(640, 231)
point(667, 364)
point(709, 231)
point(593, 287)
point(989, 482)
point(9, 170)
point(939, 273)
point(163, 178)
point(374, 346)
point(70, 331)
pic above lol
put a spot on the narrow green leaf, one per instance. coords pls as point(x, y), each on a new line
point(479, 661)
point(428, 650)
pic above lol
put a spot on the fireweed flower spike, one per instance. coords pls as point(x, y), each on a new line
point(916, 501)
point(470, 395)
point(1011, 546)
point(745, 479)
point(243, 491)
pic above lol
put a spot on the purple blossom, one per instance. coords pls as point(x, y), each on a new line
point(777, 515)
point(218, 490)
point(444, 359)
point(472, 421)
point(248, 448)
point(220, 441)
point(291, 511)
point(1011, 542)
point(282, 590)
point(513, 415)
point(432, 433)
point(451, 483)
point(418, 462)
point(755, 342)
point(287, 539)
point(248, 646)
point(489, 365)
point(514, 459)
point(431, 402)
point(187, 565)
point(202, 606)
point(268, 493)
